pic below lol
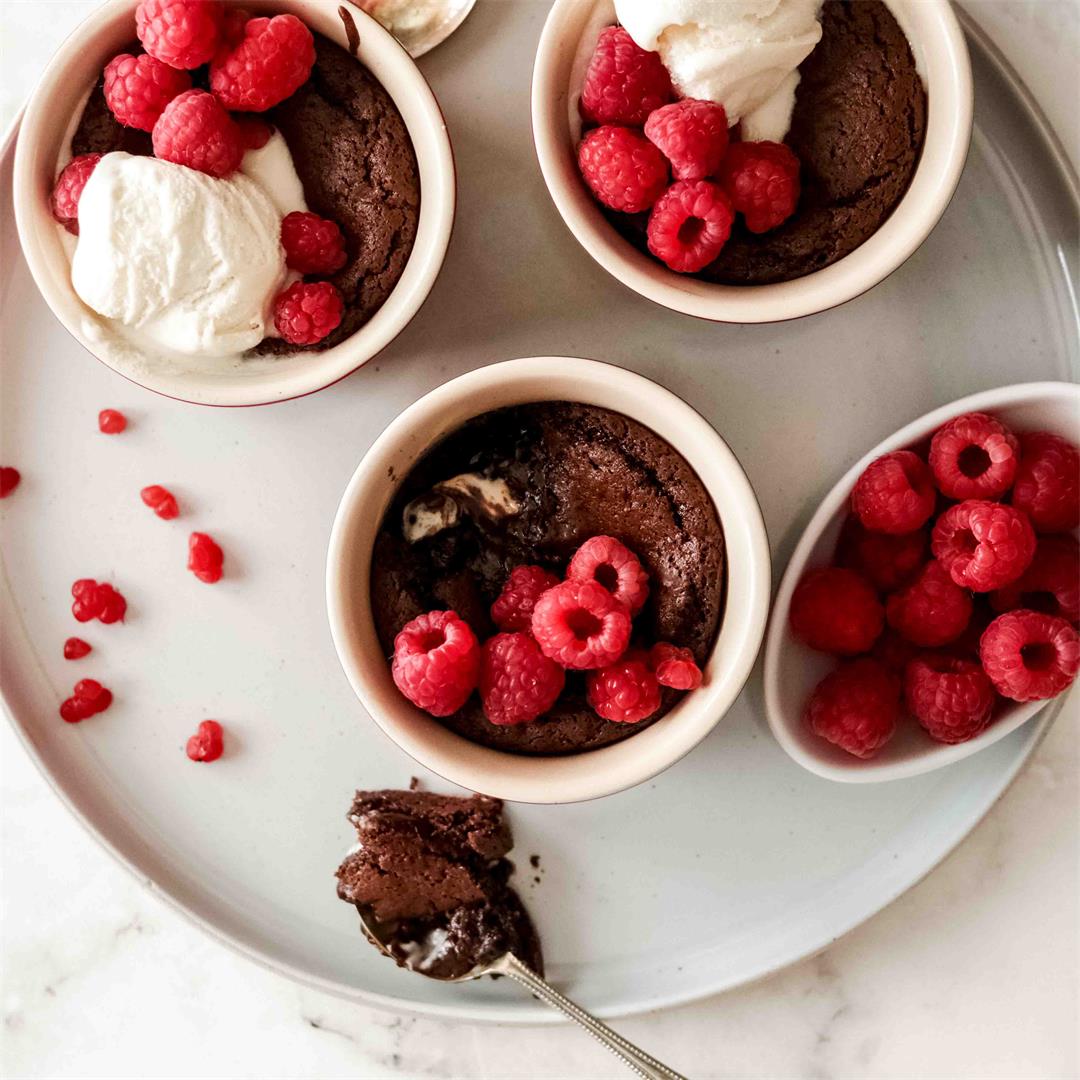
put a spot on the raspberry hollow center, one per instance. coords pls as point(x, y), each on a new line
point(608, 576)
point(966, 542)
point(1038, 656)
point(689, 231)
point(432, 639)
point(583, 624)
point(973, 461)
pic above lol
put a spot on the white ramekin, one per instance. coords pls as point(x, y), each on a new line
point(47, 123)
point(942, 58)
point(593, 773)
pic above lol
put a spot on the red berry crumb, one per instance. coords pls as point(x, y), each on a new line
point(952, 699)
point(194, 130)
point(623, 82)
point(208, 743)
point(895, 493)
point(689, 225)
point(9, 480)
point(87, 699)
point(625, 692)
point(762, 179)
point(181, 33)
point(1051, 584)
point(161, 501)
point(856, 707)
point(307, 311)
point(885, 560)
point(75, 648)
point(436, 662)
point(580, 625)
point(932, 610)
point(205, 558)
point(692, 135)
point(69, 189)
point(1047, 486)
point(1030, 656)
point(674, 667)
point(270, 63)
point(514, 607)
point(518, 683)
point(623, 170)
point(983, 545)
point(605, 560)
point(137, 89)
point(95, 600)
point(111, 422)
point(313, 245)
point(835, 610)
point(974, 456)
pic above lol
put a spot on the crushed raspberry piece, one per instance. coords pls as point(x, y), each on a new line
point(137, 89)
point(1051, 584)
point(1047, 486)
point(161, 501)
point(692, 135)
point(835, 610)
point(194, 130)
point(436, 662)
point(254, 133)
point(181, 33)
point(762, 180)
point(895, 494)
point(518, 683)
point(933, 610)
point(623, 82)
point(885, 560)
point(983, 545)
point(1030, 656)
point(952, 699)
point(605, 560)
point(974, 457)
point(208, 743)
point(111, 422)
point(689, 225)
point(313, 245)
point(514, 607)
point(623, 170)
point(75, 648)
point(674, 666)
point(97, 601)
point(271, 62)
point(580, 625)
point(855, 707)
point(9, 480)
point(307, 311)
point(205, 558)
point(69, 189)
point(88, 698)
point(625, 692)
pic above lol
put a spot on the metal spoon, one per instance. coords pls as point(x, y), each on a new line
point(635, 1059)
point(418, 35)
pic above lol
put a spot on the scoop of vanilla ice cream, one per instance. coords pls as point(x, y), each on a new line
point(188, 263)
point(743, 54)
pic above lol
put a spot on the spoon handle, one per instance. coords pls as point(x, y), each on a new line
point(636, 1060)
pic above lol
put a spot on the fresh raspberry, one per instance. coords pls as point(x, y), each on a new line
point(436, 662)
point(885, 560)
point(87, 699)
point(974, 457)
point(161, 501)
point(518, 682)
point(623, 82)
point(625, 692)
point(9, 480)
point(312, 244)
point(111, 422)
point(613, 565)
point(75, 648)
point(254, 133)
point(307, 311)
point(69, 189)
point(208, 743)
point(137, 89)
point(97, 601)
point(205, 558)
point(181, 33)
point(674, 666)
point(1030, 656)
point(270, 63)
point(983, 545)
point(622, 168)
point(835, 610)
point(194, 130)
point(895, 494)
point(1051, 584)
point(855, 707)
point(692, 135)
point(953, 699)
point(514, 607)
point(580, 625)
point(894, 650)
point(762, 179)
point(689, 225)
point(232, 26)
point(933, 610)
point(1047, 486)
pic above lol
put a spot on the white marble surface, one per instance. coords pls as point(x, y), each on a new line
point(972, 974)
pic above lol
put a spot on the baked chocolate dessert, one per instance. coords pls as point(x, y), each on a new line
point(430, 876)
point(551, 476)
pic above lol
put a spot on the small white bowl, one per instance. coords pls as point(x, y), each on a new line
point(941, 55)
point(47, 124)
point(573, 777)
point(792, 669)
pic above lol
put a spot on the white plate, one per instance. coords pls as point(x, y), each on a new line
point(728, 866)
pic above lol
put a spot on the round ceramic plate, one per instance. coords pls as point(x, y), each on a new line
point(726, 867)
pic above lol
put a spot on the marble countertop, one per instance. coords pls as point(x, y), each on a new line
point(973, 973)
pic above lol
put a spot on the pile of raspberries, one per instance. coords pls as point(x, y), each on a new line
point(250, 66)
point(956, 583)
point(547, 627)
point(644, 139)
